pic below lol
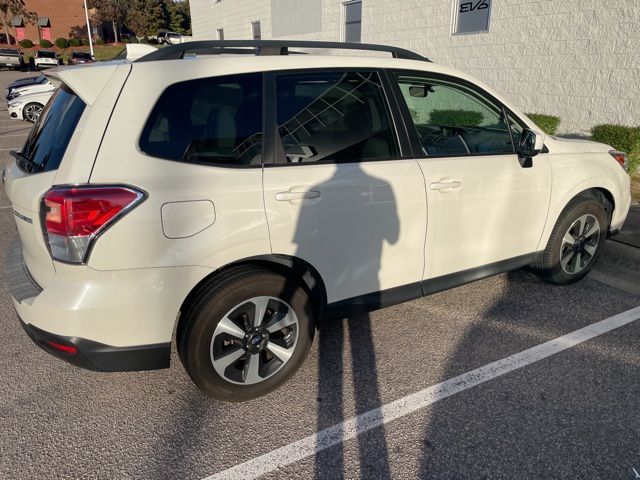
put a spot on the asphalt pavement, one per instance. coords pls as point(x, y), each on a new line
point(573, 414)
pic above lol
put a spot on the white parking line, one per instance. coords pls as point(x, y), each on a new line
point(9, 149)
point(15, 135)
point(355, 426)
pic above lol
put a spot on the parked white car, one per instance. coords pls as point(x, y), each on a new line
point(45, 86)
point(29, 107)
point(45, 59)
point(239, 199)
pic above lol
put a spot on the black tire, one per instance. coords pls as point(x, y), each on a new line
point(218, 298)
point(549, 265)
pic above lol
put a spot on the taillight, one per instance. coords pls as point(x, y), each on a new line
point(75, 216)
point(619, 157)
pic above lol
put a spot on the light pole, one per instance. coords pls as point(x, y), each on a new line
point(86, 14)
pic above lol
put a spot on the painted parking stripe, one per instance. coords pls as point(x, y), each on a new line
point(355, 426)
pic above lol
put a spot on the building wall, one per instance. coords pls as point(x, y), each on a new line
point(579, 60)
point(64, 15)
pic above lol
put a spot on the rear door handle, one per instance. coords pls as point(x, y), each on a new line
point(288, 196)
point(446, 185)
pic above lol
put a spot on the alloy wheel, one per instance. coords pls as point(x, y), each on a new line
point(32, 112)
point(254, 340)
point(579, 244)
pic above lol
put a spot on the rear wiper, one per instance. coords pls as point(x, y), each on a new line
point(25, 164)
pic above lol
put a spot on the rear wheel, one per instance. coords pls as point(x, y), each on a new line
point(32, 112)
point(575, 242)
point(246, 335)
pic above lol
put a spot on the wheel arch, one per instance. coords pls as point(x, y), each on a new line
point(282, 264)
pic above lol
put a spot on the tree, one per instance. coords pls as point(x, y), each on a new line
point(179, 16)
point(111, 11)
point(11, 8)
point(146, 17)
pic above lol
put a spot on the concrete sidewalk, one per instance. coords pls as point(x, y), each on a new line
point(619, 262)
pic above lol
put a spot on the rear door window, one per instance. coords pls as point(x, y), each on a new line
point(334, 117)
point(214, 121)
point(48, 141)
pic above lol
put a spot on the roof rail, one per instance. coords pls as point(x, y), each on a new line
point(268, 47)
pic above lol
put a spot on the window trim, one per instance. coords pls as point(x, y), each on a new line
point(456, 81)
point(196, 162)
point(276, 149)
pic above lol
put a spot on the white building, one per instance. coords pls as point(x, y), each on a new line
point(577, 59)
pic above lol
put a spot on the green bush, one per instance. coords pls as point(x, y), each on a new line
point(26, 43)
point(548, 123)
point(625, 139)
point(62, 43)
point(144, 40)
point(45, 43)
point(100, 42)
point(456, 118)
point(126, 40)
point(75, 42)
point(134, 39)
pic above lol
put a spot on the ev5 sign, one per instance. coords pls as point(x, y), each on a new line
point(472, 16)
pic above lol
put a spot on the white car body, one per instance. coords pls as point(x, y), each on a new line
point(31, 89)
point(43, 62)
point(195, 220)
point(18, 108)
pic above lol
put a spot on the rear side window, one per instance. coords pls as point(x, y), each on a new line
point(48, 141)
point(216, 121)
point(334, 117)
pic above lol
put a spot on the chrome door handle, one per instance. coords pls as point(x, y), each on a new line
point(446, 185)
point(288, 196)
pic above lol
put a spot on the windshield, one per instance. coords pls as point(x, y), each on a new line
point(41, 80)
point(44, 54)
point(9, 51)
point(50, 136)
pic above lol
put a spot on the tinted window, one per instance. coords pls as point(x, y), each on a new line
point(451, 119)
point(334, 116)
point(212, 120)
point(49, 138)
point(82, 55)
point(44, 54)
point(8, 51)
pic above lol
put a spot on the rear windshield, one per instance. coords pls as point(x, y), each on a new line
point(8, 51)
point(49, 138)
point(43, 54)
point(81, 55)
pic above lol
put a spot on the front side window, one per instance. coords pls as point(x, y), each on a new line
point(451, 119)
point(334, 116)
point(210, 120)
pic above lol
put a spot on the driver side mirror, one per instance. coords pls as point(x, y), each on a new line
point(531, 143)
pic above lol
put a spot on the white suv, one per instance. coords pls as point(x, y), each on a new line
point(241, 198)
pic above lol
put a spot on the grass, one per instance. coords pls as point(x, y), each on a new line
point(102, 52)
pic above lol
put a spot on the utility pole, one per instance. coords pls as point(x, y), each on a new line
point(86, 14)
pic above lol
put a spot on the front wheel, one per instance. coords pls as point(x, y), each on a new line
point(246, 335)
point(32, 112)
point(575, 242)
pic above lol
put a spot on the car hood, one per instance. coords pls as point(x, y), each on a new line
point(571, 145)
point(28, 89)
point(40, 97)
point(23, 82)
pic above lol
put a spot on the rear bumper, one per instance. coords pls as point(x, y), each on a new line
point(99, 357)
point(109, 321)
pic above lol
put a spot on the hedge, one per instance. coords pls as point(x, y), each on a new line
point(548, 123)
point(75, 42)
point(62, 43)
point(456, 118)
point(100, 42)
point(625, 139)
point(26, 43)
point(45, 43)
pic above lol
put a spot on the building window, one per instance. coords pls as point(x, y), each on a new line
point(352, 13)
point(255, 30)
point(471, 16)
point(221, 34)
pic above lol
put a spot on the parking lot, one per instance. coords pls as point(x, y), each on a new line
point(508, 377)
